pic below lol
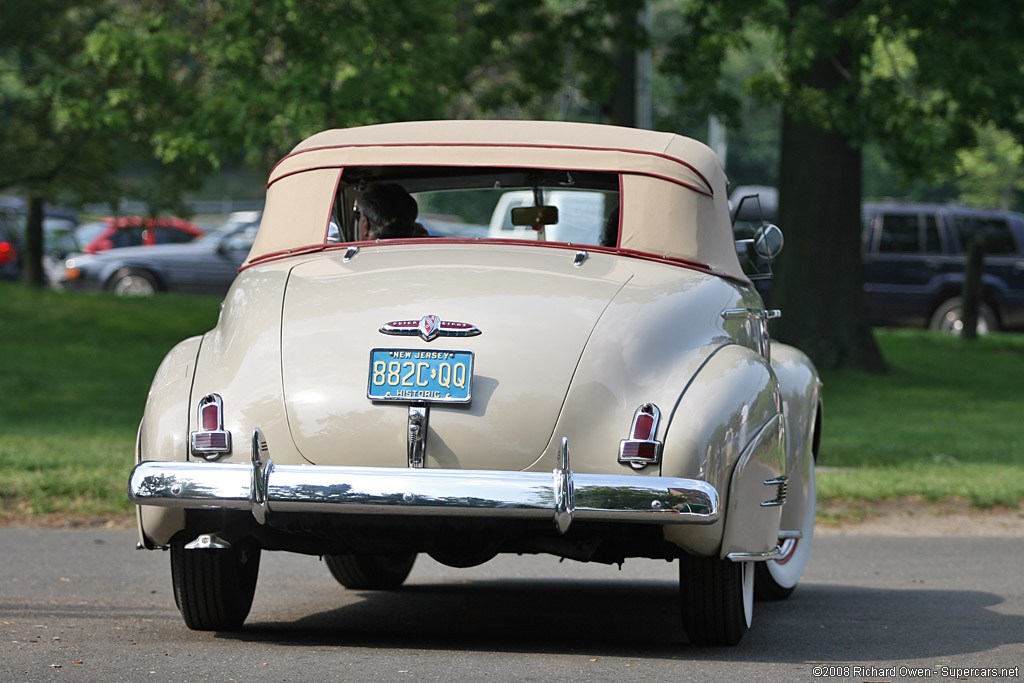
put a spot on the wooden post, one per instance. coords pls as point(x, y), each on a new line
point(971, 294)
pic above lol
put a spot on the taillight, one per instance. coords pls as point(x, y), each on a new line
point(641, 448)
point(211, 441)
point(643, 425)
point(210, 416)
point(8, 253)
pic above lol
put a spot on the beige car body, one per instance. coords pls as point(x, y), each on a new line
point(574, 339)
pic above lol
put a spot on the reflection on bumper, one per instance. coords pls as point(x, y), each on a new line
point(266, 488)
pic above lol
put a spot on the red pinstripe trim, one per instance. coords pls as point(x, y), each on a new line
point(303, 170)
point(709, 191)
point(631, 253)
point(619, 172)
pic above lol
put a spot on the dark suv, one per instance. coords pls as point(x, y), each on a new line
point(914, 258)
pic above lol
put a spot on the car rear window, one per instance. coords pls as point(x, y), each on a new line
point(480, 203)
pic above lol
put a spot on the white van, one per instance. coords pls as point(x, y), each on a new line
point(581, 215)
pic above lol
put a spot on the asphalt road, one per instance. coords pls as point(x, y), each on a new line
point(84, 605)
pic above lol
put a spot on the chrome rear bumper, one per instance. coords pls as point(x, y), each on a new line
point(561, 495)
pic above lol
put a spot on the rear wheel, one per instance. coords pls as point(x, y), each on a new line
point(133, 282)
point(371, 572)
point(214, 587)
point(776, 579)
point(717, 599)
point(948, 317)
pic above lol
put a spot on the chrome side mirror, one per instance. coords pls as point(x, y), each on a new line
point(768, 242)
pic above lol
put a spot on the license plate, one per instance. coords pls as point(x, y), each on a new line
point(420, 376)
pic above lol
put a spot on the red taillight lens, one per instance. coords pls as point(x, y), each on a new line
point(643, 426)
point(210, 417)
point(7, 253)
point(640, 450)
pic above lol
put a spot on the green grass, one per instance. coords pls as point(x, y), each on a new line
point(74, 372)
point(944, 423)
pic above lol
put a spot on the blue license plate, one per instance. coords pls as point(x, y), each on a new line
point(420, 376)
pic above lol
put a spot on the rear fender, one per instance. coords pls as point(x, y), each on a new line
point(163, 434)
point(757, 493)
point(801, 405)
point(726, 429)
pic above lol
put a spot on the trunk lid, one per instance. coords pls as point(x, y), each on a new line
point(535, 312)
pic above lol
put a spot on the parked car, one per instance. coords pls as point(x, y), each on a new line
point(206, 266)
point(133, 231)
point(914, 258)
point(914, 261)
point(58, 237)
point(366, 401)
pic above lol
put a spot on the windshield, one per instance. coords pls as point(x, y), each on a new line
point(247, 221)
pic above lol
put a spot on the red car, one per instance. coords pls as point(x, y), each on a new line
point(133, 231)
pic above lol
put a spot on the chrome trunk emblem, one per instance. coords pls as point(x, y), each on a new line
point(429, 327)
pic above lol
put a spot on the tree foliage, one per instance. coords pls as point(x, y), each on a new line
point(918, 79)
point(992, 171)
point(102, 99)
point(175, 88)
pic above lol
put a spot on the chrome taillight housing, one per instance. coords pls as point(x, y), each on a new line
point(211, 440)
point(641, 448)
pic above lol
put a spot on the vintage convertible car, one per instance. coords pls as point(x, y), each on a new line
point(608, 393)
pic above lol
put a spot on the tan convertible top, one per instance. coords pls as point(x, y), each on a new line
point(673, 188)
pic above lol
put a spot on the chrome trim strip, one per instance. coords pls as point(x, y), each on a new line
point(754, 557)
point(782, 489)
point(751, 314)
point(741, 313)
point(565, 494)
point(790, 534)
point(405, 491)
point(419, 422)
point(262, 466)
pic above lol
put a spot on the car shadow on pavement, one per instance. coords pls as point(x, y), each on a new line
point(640, 619)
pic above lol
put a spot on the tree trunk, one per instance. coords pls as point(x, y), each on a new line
point(819, 282)
point(622, 108)
point(32, 258)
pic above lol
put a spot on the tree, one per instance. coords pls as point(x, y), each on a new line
point(59, 135)
point(918, 78)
